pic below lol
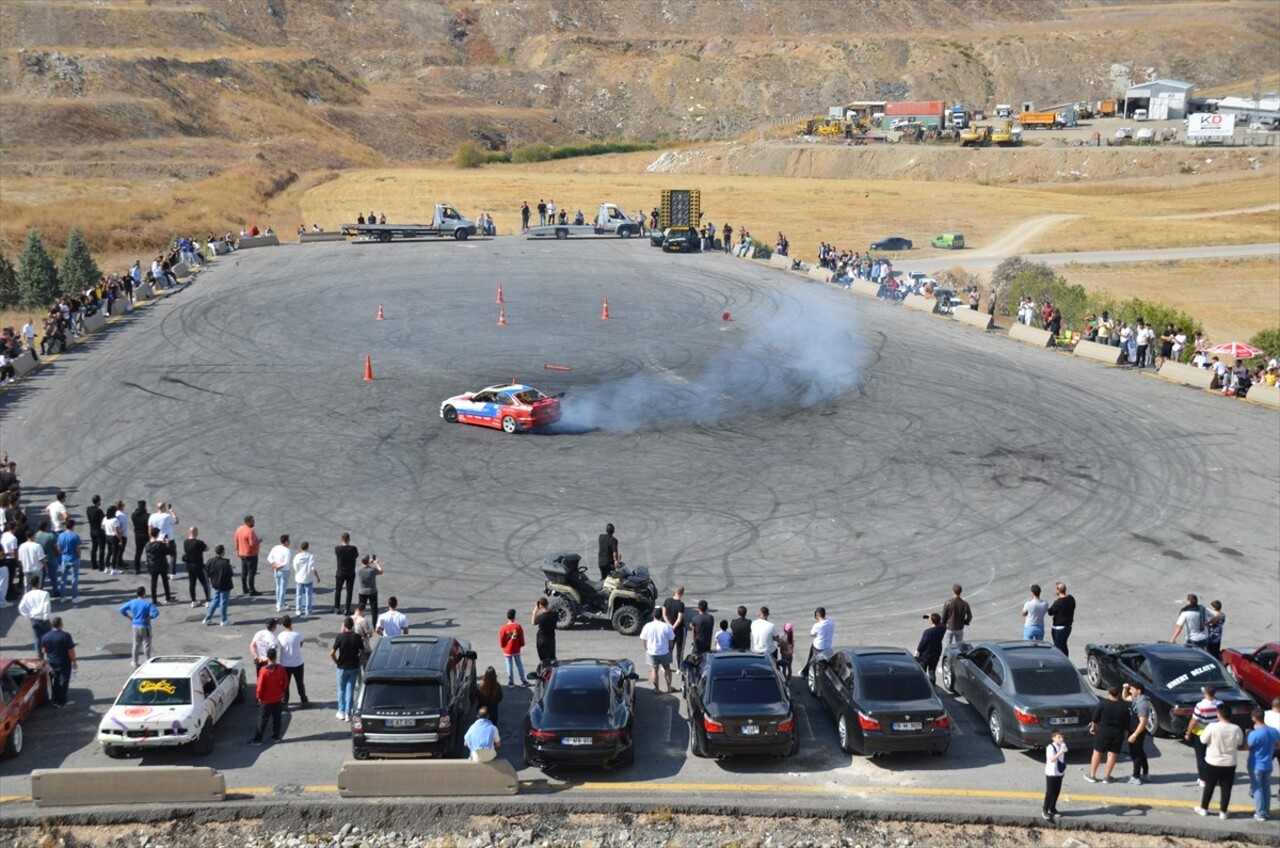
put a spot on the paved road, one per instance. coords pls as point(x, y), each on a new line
point(818, 448)
point(987, 260)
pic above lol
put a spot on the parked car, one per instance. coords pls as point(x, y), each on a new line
point(582, 713)
point(1256, 672)
point(1025, 690)
point(892, 243)
point(1172, 675)
point(170, 701)
point(415, 698)
point(510, 408)
point(881, 701)
point(738, 703)
point(656, 235)
point(681, 240)
point(24, 685)
point(949, 241)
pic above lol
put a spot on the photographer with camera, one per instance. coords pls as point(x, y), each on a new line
point(367, 583)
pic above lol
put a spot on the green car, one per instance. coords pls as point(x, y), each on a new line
point(949, 241)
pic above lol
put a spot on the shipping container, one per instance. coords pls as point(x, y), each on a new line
point(916, 107)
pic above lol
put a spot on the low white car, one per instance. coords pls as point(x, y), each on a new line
point(171, 701)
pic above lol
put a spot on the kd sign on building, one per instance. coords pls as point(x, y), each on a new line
point(1210, 125)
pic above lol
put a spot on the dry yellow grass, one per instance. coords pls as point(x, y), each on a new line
point(1233, 298)
point(1107, 232)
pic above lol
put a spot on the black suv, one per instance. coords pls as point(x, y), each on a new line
point(415, 699)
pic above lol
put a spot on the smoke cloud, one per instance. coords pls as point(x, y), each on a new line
point(801, 349)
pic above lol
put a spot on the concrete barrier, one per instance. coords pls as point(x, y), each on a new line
point(1097, 352)
point(180, 270)
point(1266, 395)
point(779, 261)
point(24, 363)
point(85, 787)
point(309, 238)
point(257, 241)
point(973, 318)
point(143, 292)
point(920, 303)
point(95, 322)
point(219, 248)
point(1187, 375)
point(822, 275)
point(864, 287)
point(1031, 335)
point(425, 778)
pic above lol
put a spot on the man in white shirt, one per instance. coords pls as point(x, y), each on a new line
point(33, 558)
point(280, 559)
point(164, 519)
point(8, 560)
point(38, 608)
point(304, 579)
point(657, 636)
point(823, 633)
point(1192, 619)
point(291, 658)
point(393, 622)
point(264, 640)
point(764, 636)
point(58, 513)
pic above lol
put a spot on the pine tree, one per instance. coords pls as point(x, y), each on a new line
point(9, 294)
point(79, 272)
point(37, 275)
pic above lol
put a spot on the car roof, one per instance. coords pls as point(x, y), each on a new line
point(169, 666)
point(578, 675)
point(1020, 649)
point(410, 656)
point(1167, 651)
point(506, 387)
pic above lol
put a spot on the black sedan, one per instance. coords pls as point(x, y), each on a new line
point(1026, 691)
point(681, 240)
point(881, 701)
point(738, 703)
point(892, 243)
point(582, 714)
point(1172, 675)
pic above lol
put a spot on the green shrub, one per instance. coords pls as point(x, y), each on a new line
point(468, 156)
point(9, 293)
point(538, 151)
point(496, 157)
point(1268, 341)
point(760, 250)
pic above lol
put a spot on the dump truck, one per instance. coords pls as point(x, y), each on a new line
point(610, 221)
point(979, 136)
point(1105, 109)
point(447, 221)
point(1038, 120)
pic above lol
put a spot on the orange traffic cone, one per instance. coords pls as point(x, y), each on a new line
point(604, 316)
point(381, 316)
point(499, 300)
point(502, 317)
point(368, 369)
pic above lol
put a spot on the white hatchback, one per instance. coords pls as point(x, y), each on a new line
point(172, 701)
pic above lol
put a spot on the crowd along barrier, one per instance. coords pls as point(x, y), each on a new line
point(86, 787)
point(974, 318)
point(425, 778)
point(1188, 375)
point(1097, 352)
point(1032, 335)
point(257, 241)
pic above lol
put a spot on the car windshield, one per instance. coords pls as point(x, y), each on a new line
point(1046, 681)
point(406, 695)
point(575, 701)
point(744, 690)
point(1189, 675)
point(896, 687)
point(156, 692)
point(530, 396)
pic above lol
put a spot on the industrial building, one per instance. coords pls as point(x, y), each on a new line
point(1161, 99)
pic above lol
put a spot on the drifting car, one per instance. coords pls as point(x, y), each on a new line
point(582, 713)
point(511, 408)
point(681, 240)
point(738, 703)
point(1172, 675)
point(170, 701)
point(656, 236)
point(1256, 672)
point(892, 243)
point(881, 701)
point(24, 685)
point(1026, 691)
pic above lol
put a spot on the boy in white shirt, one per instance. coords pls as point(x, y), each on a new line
point(304, 579)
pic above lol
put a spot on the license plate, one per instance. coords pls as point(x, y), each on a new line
point(575, 740)
point(750, 730)
point(1065, 720)
point(907, 725)
point(400, 722)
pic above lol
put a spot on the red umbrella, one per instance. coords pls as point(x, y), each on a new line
point(1236, 350)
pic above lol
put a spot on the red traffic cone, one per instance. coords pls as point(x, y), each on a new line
point(502, 317)
point(381, 316)
point(604, 316)
point(368, 369)
point(499, 300)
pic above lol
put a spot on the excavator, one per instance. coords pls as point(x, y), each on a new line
point(1009, 135)
point(975, 136)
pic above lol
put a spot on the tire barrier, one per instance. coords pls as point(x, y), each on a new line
point(86, 787)
point(425, 778)
point(1030, 335)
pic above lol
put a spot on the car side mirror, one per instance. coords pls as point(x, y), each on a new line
point(471, 655)
point(532, 677)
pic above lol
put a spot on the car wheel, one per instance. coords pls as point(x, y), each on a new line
point(627, 620)
point(240, 689)
point(1093, 672)
point(996, 728)
point(510, 425)
point(625, 232)
point(562, 233)
point(846, 734)
point(948, 676)
point(461, 234)
point(203, 744)
point(628, 757)
point(563, 609)
point(698, 739)
point(13, 747)
point(115, 752)
point(811, 679)
point(450, 414)
point(384, 237)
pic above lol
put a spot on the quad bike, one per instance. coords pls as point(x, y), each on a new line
point(625, 599)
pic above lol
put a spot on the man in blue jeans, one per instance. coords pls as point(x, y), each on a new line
point(346, 656)
point(222, 580)
point(1264, 744)
point(69, 545)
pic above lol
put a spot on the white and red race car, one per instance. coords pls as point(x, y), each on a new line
point(511, 408)
point(172, 701)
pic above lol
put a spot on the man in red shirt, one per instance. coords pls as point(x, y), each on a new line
point(273, 682)
point(248, 544)
point(511, 640)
